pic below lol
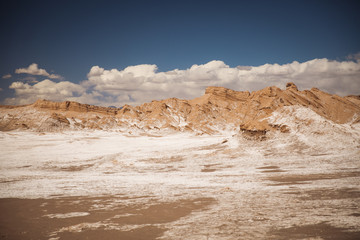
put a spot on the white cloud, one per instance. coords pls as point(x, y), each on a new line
point(6, 76)
point(33, 69)
point(143, 83)
point(46, 89)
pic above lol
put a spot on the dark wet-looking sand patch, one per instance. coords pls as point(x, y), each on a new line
point(92, 218)
point(209, 168)
point(270, 169)
point(326, 193)
point(164, 160)
point(148, 232)
point(76, 168)
point(290, 179)
point(321, 230)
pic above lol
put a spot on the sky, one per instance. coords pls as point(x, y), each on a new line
point(112, 53)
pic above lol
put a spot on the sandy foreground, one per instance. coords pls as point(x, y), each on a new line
point(104, 185)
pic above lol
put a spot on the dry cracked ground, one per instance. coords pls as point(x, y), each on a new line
point(100, 185)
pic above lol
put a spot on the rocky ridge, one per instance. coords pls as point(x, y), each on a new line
point(217, 110)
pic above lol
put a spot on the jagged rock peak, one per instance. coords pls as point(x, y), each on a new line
point(215, 90)
point(226, 93)
point(291, 85)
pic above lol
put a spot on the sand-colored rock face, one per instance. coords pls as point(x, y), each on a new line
point(218, 109)
point(73, 106)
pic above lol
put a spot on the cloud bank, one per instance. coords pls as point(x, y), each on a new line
point(33, 69)
point(46, 89)
point(142, 83)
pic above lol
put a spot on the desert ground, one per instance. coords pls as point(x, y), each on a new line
point(95, 184)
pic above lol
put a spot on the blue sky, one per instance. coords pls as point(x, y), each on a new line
point(68, 38)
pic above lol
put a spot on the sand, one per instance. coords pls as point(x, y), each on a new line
point(101, 185)
point(50, 218)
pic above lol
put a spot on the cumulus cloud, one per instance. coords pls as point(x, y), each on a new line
point(33, 69)
point(46, 89)
point(6, 76)
point(142, 83)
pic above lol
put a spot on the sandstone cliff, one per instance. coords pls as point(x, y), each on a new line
point(217, 110)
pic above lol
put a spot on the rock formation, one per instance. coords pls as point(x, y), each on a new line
point(217, 110)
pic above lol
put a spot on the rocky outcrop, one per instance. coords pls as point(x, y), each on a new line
point(291, 86)
point(217, 110)
point(227, 94)
point(73, 106)
point(60, 118)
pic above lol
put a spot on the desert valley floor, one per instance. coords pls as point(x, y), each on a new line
point(97, 184)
